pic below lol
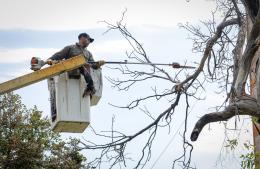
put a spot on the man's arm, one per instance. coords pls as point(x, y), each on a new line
point(63, 54)
point(96, 65)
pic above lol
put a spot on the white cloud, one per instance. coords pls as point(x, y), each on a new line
point(24, 54)
point(14, 73)
point(84, 14)
point(110, 48)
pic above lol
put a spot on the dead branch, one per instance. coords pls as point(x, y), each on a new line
point(243, 106)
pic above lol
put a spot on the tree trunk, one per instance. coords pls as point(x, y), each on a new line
point(255, 92)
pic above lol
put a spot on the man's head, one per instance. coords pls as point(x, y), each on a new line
point(85, 39)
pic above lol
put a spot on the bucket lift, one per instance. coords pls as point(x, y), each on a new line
point(70, 112)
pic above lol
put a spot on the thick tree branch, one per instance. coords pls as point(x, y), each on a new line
point(243, 106)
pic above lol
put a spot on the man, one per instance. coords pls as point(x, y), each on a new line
point(78, 49)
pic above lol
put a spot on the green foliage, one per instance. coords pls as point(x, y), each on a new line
point(249, 158)
point(26, 140)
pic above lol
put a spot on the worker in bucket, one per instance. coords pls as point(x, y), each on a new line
point(80, 48)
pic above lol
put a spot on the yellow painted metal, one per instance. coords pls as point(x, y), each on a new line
point(42, 74)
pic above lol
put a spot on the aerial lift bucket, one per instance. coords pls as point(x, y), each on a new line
point(70, 112)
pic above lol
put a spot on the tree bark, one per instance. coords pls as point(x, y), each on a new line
point(243, 106)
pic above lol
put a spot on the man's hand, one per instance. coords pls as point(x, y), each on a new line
point(100, 63)
point(49, 62)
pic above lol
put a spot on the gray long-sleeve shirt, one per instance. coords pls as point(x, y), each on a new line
point(71, 51)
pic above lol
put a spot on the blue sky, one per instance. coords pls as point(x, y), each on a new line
point(40, 28)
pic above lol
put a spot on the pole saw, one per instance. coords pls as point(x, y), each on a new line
point(37, 63)
point(174, 64)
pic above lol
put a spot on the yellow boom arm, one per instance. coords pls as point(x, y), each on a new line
point(42, 74)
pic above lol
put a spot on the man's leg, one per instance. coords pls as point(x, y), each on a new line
point(90, 90)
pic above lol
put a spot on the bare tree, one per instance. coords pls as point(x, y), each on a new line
point(227, 51)
point(240, 103)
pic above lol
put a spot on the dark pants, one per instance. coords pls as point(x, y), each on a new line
point(87, 76)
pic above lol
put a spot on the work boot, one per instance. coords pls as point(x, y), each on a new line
point(90, 90)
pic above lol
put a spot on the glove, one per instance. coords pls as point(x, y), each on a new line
point(49, 62)
point(100, 63)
